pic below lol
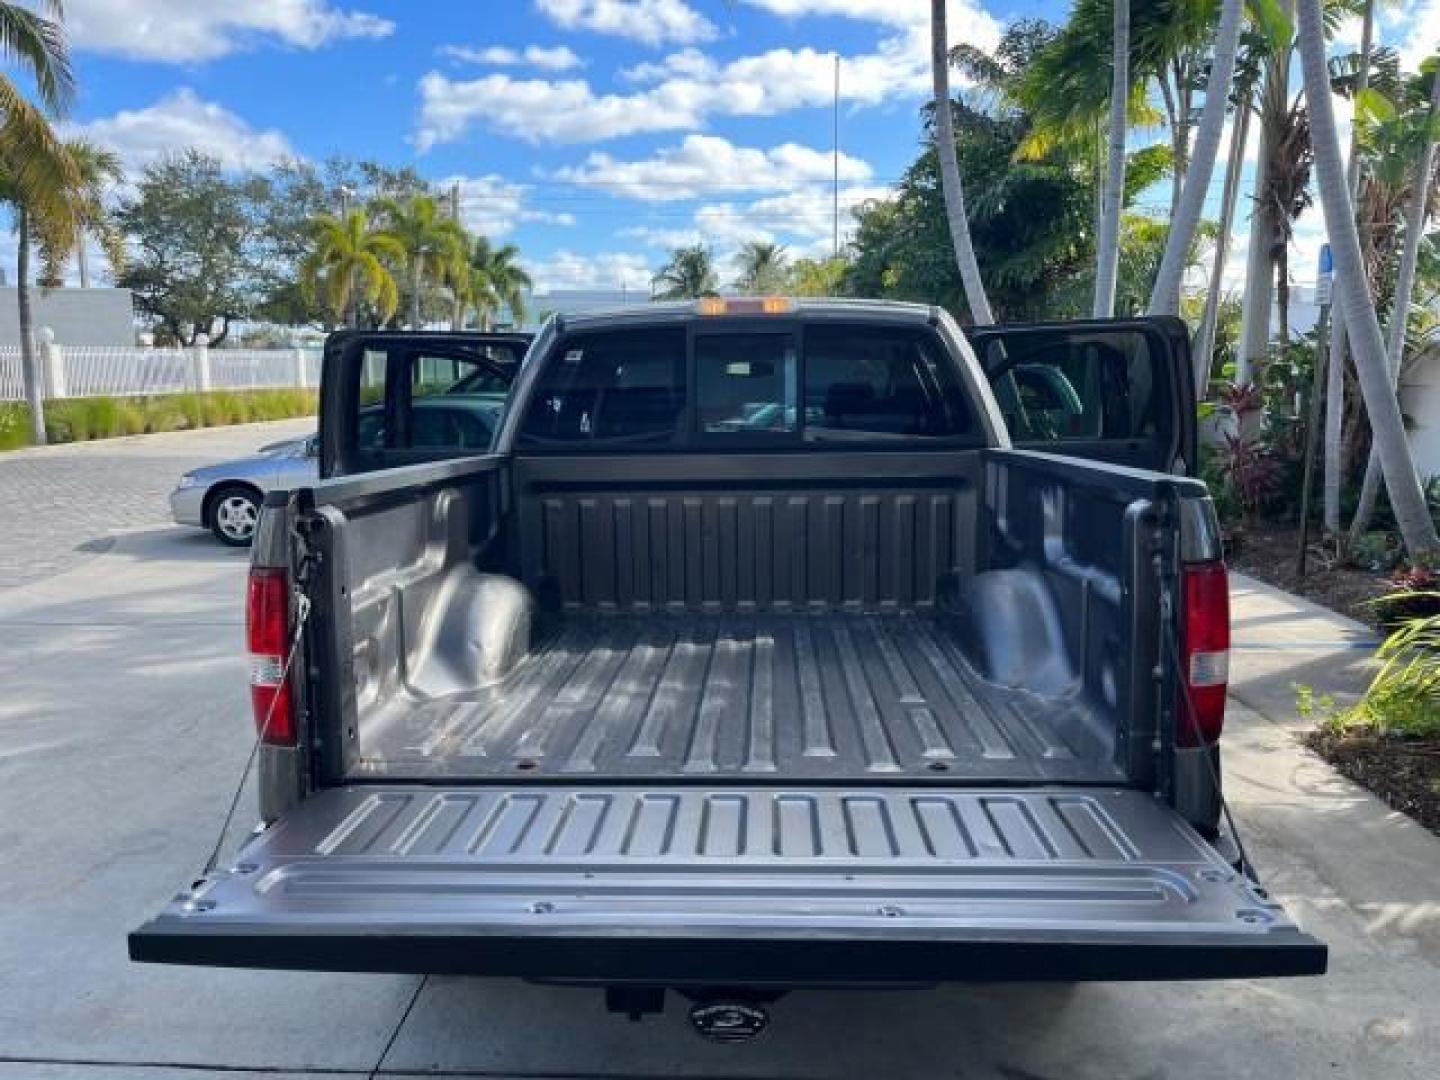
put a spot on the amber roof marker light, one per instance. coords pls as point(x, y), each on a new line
point(744, 305)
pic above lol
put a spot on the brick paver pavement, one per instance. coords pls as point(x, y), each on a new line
point(59, 504)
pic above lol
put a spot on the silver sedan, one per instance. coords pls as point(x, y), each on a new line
point(226, 498)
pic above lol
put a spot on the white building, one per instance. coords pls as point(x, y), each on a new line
point(78, 316)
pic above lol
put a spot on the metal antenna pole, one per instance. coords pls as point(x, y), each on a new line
point(836, 142)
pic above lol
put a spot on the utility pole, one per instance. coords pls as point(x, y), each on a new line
point(836, 155)
point(455, 201)
point(1323, 283)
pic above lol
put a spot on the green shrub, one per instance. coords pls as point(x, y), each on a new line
point(1404, 697)
point(14, 425)
point(80, 419)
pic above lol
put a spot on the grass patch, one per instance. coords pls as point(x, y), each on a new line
point(83, 419)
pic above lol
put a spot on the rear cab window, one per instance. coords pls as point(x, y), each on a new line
point(781, 384)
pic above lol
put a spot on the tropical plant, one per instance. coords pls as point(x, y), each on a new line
point(818, 277)
point(35, 171)
point(764, 268)
point(1387, 426)
point(689, 275)
point(96, 172)
point(1404, 697)
point(349, 263)
point(434, 245)
point(957, 221)
point(507, 281)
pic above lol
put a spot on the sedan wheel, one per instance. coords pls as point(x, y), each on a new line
point(233, 515)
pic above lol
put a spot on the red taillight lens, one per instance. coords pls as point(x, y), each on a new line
point(1204, 653)
point(267, 633)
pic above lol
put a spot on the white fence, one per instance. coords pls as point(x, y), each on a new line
point(92, 371)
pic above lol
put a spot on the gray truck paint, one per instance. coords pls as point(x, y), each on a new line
point(754, 662)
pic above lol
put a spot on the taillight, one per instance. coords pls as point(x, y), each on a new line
point(267, 633)
point(1204, 653)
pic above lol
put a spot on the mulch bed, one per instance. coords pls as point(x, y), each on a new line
point(1268, 553)
point(1403, 772)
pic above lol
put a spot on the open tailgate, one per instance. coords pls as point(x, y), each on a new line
point(764, 885)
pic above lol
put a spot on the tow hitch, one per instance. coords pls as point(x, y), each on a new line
point(729, 1021)
point(720, 1015)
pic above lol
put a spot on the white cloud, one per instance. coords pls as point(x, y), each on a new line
point(708, 164)
point(1418, 24)
point(682, 91)
point(804, 220)
point(181, 120)
point(650, 22)
point(601, 270)
point(891, 12)
point(181, 31)
point(494, 206)
point(557, 59)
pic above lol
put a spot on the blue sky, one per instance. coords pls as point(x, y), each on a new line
point(593, 133)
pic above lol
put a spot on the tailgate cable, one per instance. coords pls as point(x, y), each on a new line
point(301, 604)
point(1192, 718)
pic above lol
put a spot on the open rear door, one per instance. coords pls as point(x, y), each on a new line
point(1117, 390)
point(403, 398)
point(670, 885)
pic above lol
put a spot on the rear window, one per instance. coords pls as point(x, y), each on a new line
point(814, 383)
point(869, 384)
point(615, 389)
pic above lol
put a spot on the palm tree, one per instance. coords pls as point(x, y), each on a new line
point(689, 275)
point(1165, 299)
point(975, 297)
point(1335, 371)
point(764, 268)
point(1274, 43)
point(35, 171)
point(1423, 129)
point(1107, 243)
point(434, 243)
point(98, 170)
point(1387, 426)
point(507, 280)
point(350, 262)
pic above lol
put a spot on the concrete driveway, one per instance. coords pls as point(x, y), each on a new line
point(123, 728)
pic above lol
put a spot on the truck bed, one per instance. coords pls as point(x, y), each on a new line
point(835, 697)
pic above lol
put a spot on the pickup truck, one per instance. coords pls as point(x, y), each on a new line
point(773, 644)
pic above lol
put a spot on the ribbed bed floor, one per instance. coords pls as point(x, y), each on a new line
point(836, 697)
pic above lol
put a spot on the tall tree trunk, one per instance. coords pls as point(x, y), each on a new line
point(1416, 212)
point(1107, 244)
point(352, 298)
point(975, 296)
point(1282, 296)
point(1205, 336)
point(416, 275)
point(82, 260)
point(29, 358)
point(1172, 120)
point(1165, 297)
point(1387, 426)
point(1335, 372)
point(1259, 282)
